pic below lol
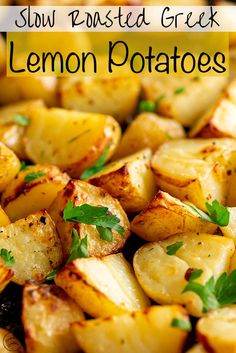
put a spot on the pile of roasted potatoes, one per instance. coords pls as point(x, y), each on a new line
point(118, 212)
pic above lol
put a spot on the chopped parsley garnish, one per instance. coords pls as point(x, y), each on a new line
point(182, 324)
point(79, 248)
point(147, 106)
point(217, 213)
point(6, 256)
point(173, 248)
point(214, 294)
point(97, 167)
point(179, 90)
point(32, 176)
point(52, 274)
point(21, 120)
point(94, 215)
point(24, 166)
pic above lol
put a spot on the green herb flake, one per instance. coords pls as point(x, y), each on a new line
point(96, 168)
point(6, 256)
point(79, 247)
point(94, 215)
point(52, 274)
point(217, 213)
point(179, 90)
point(181, 324)
point(215, 294)
point(21, 120)
point(33, 176)
point(195, 274)
point(24, 166)
point(147, 106)
point(173, 248)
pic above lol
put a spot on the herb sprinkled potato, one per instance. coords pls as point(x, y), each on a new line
point(9, 166)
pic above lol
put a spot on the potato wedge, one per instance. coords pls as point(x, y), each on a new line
point(4, 220)
point(130, 180)
point(194, 170)
point(47, 315)
point(149, 331)
point(80, 192)
point(6, 275)
point(230, 230)
point(216, 331)
point(16, 89)
point(22, 197)
point(195, 98)
point(231, 195)
point(9, 166)
point(116, 96)
point(148, 130)
point(8, 342)
point(2, 53)
point(102, 286)
point(198, 348)
point(11, 133)
point(71, 140)
point(163, 277)
point(35, 246)
point(165, 216)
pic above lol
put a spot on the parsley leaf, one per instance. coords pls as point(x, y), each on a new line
point(182, 324)
point(24, 166)
point(217, 213)
point(21, 120)
point(32, 176)
point(52, 274)
point(97, 167)
point(79, 248)
point(215, 295)
point(195, 274)
point(6, 256)
point(95, 215)
point(179, 90)
point(147, 106)
point(173, 248)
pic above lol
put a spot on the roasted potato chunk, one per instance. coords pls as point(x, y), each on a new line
point(165, 216)
point(8, 342)
point(2, 53)
point(231, 196)
point(11, 133)
point(4, 220)
point(35, 246)
point(71, 140)
point(149, 330)
point(130, 180)
point(9, 166)
point(47, 315)
point(102, 286)
point(163, 277)
point(194, 170)
point(185, 99)
point(148, 130)
point(80, 192)
point(216, 331)
point(116, 96)
point(16, 89)
point(26, 196)
point(6, 275)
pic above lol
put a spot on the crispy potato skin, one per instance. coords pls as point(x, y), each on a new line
point(16, 89)
point(35, 246)
point(8, 342)
point(4, 220)
point(23, 198)
point(216, 331)
point(92, 284)
point(194, 170)
point(116, 96)
point(71, 140)
point(148, 130)
point(165, 216)
point(9, 166)
point(6, 275)
point(152, 329)
point(163, 277)
point(196, 98)
point(80, 192)
point(130, 180)
point(47, 315)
